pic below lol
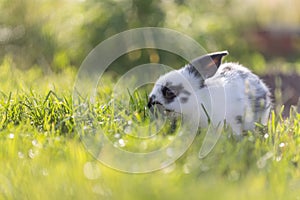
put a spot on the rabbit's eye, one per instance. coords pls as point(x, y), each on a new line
point(168, 93)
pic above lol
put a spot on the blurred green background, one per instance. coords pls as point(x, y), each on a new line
point(54, 35)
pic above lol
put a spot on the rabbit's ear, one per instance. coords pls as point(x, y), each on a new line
point(207, 65)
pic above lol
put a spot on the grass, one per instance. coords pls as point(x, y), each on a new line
point(42, 157)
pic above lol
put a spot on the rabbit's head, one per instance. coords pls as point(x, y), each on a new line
point(176, 91)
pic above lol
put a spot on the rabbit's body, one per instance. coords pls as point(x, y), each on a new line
point(217, 92)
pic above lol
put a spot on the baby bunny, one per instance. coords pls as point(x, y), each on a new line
point(215, 93)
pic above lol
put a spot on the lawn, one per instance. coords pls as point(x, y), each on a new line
point(48, 149)
point(43, 157)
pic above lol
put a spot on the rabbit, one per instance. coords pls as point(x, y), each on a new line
point(214, 92)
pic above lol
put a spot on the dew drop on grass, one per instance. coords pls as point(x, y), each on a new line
point(266, 136)
point(31, 154)
point(11, 136)
point(34, 143)
point(281, 145)
point(20, 155)
point(117, 135)
point(91, 171)
point(121, 143)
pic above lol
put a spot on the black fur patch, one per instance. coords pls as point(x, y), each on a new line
point(192, 70)
point(176, 90)
point(260, 100)
point(225, 70)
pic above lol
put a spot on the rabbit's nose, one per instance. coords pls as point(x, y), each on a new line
point(152, 102)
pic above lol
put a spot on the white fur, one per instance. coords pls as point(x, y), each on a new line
point(225, 97)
